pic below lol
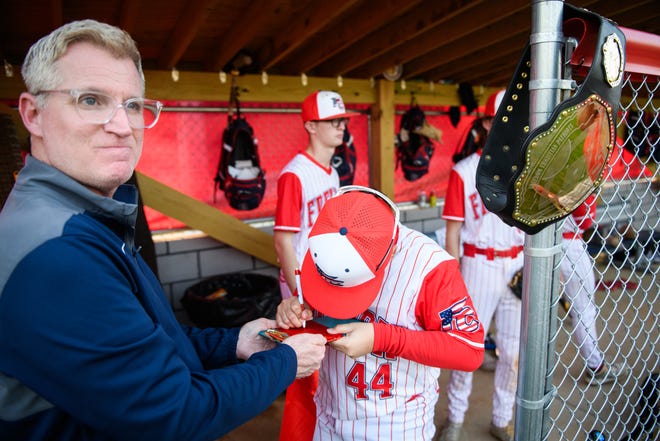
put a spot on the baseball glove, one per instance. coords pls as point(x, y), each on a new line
point(515, 284)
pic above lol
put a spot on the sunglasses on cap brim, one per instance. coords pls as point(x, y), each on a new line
point(534, 179)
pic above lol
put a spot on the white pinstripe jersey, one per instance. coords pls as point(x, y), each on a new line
point(480, 227)
point(318, 184)
point(582, 218)
point(377, 385)
point(570, 226)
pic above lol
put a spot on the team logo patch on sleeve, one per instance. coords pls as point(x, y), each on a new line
point(460, 317)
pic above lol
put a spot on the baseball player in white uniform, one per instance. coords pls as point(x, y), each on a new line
point(409, 315)
point(492, 253)
point(579, 283)
point(303, 186)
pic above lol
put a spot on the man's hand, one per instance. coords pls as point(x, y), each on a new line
point(310, 350)
point(249, 340)
point(291, 314)
point(358, 341)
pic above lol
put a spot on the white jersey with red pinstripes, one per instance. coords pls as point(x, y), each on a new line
point(579, 283)
point(303, 187)
point(580, 219)
point(379, 396)
point(486, 279)
point(570, 228)
point(463, 203)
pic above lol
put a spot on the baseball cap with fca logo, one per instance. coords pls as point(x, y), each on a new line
point(324, 105)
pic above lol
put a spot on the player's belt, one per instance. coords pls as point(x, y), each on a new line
point(533, 179)
point(470, 250)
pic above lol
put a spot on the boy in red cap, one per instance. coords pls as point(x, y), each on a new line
point(303, 186)
point(409, 315)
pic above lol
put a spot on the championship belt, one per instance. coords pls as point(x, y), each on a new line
point(531, 180)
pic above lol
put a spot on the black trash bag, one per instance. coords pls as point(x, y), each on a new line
point(231, 300)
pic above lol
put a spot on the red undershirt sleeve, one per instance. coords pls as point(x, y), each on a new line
point(585, 214)
point(453, 337)
point(454, 208)
point(289, 203)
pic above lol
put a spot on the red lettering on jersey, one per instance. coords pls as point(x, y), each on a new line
point(369, 317)
point(355, 379)
point(478, 208)
point(314, 205)
point(311, 213)
point(328, 194)
point(381, 382)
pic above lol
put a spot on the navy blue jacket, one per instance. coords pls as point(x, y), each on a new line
point(89, 346)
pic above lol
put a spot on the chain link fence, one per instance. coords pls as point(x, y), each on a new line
point(607, 308)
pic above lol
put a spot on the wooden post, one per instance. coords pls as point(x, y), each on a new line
point(381, 152)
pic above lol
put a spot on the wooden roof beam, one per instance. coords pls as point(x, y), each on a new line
point(451, 32)
point(493, 74)
point(316, 18)
point(640, 17)
point(184, 32)
point(253, 19)
point(463, 51)
point(362, 22)
point(428, 14)
point(55, 14)
point(128, 15)
point(506, 52)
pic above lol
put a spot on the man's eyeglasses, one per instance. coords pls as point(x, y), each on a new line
point(337, 122)
point(99, 108)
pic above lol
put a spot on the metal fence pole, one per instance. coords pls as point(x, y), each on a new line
point(541, 284)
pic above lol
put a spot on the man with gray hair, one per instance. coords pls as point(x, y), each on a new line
point(89, 346)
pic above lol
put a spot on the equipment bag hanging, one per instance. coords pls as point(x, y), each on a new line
point(239, 172)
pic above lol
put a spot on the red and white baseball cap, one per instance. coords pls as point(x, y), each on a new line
point(323, 105)
point(493, 103)
point(350, 246)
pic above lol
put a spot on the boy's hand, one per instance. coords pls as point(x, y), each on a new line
point(358, 341)
point(291, 314)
